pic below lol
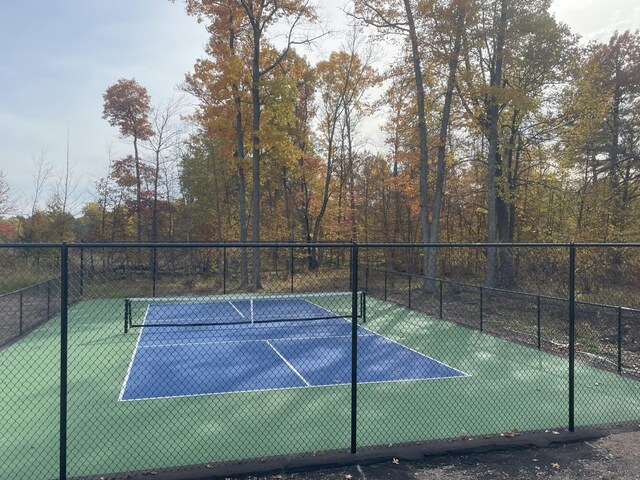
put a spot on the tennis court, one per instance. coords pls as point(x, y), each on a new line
point(219, 393)
point(272, 342)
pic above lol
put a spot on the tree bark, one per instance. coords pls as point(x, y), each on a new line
point(422, 132)
point(242, 183)
point(138, 188)
point(255, 143)
point(493, 113)
point(430, 271)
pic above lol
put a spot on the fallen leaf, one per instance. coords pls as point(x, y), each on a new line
point(395, 461)
point(555, 465)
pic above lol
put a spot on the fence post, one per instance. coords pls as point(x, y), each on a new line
point(440, 295)
point(481, 309)
point(385, 285)
point(354, 344)
point(409, 291)
point(154, 259)
point(224, 269)
point(538, 320)
point(126, 315)
point(572, 334)
point(21, 303)
point(366, 278)
point(292, 269)
point(64, 297)
point(619, 339)
point(81, 271)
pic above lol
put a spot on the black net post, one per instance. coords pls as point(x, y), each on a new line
point(409, 291)
point(385, 285)
point(292, 269)
point(572, 334)
point(354, 345)
point(619, 339)
point(64, 297)
point(224, 269)
point(366, 278)
point(154, 265)
point(363, 306)
point(126, 315)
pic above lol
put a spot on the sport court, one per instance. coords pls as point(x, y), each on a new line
point(189, 347)
point(509, 386)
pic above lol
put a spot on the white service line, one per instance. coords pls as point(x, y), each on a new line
point(288, 363)
point(236, 309)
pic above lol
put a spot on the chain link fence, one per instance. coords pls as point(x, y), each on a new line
point(128, 360)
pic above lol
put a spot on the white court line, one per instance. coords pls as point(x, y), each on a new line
point(464, 374)
point(257, 340)
point(236, 309)
point(288, 364)
point(133, 356)
point(328, 385)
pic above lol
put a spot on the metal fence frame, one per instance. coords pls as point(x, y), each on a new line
point(354, 267)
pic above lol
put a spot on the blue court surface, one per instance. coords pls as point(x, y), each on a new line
point(310, 347)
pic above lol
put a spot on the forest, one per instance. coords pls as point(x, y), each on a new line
point(496, 124)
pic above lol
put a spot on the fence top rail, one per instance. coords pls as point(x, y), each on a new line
point(504, 290)
point(28, 287)
point(333, 244)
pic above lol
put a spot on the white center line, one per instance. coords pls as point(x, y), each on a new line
point(288, 364)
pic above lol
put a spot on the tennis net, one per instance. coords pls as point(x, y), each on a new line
point(241, 309)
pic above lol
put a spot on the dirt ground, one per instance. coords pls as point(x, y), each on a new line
point(613, 457)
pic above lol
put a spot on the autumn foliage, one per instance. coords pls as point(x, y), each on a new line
point(525, 134)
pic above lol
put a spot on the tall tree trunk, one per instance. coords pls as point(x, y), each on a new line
point(422, 131)
point(154, 213)
point(242, 183)
point(313, 262)
point(432, 254)
point(351, 173)
point(138, 188)
point(255, 143)
point(493, 113)
point(615, 143)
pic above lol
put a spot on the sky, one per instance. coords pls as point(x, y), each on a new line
point(58, 57)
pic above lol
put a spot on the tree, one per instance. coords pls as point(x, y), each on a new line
point(514, 51)
point(262, 14)
point(6, 202)
point(386, 15)
point(251, 19)
point(167, 136)
point(449, 17)
point(41, 176)
point(221, 84)
point(127, 106)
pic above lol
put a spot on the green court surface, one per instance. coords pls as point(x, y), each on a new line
point(510, 386)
